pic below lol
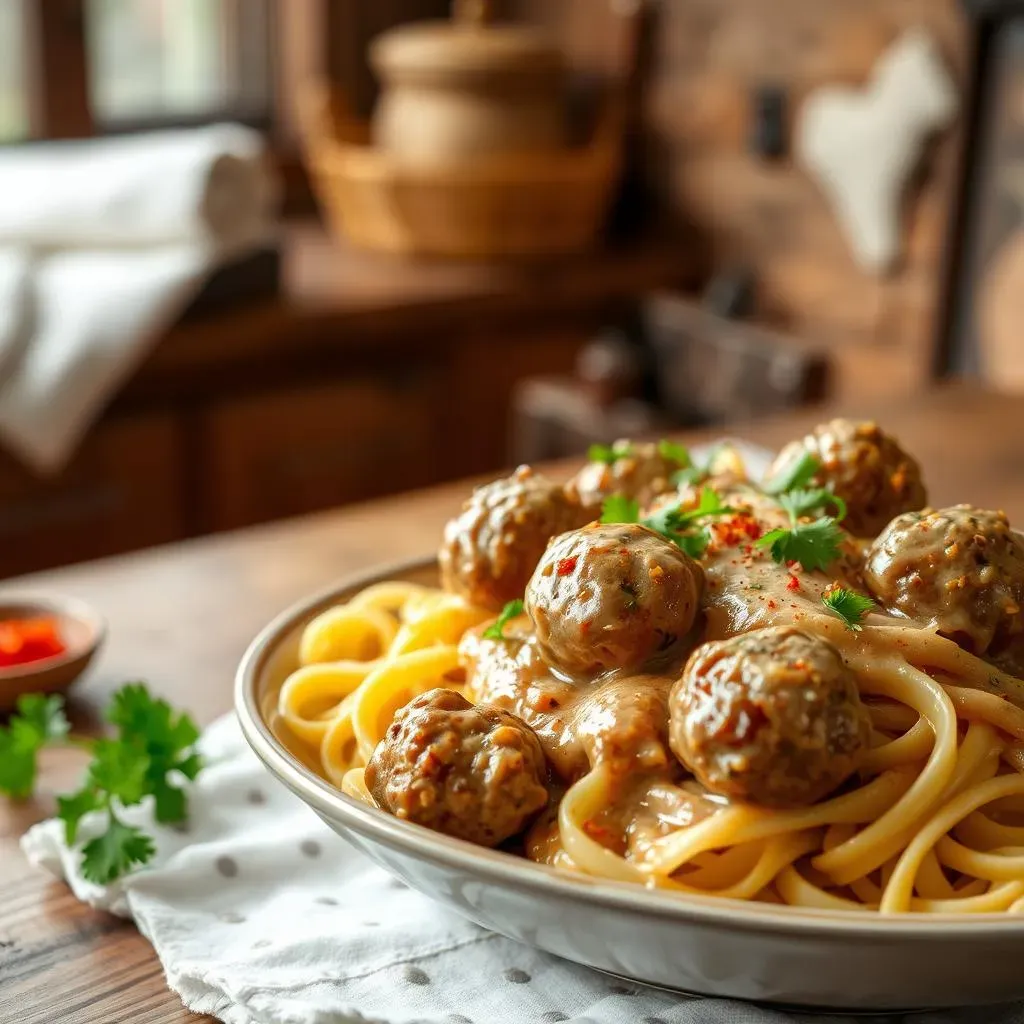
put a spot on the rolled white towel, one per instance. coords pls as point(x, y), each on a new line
point(210, 184)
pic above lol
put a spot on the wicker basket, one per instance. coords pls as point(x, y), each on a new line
point(512, 206)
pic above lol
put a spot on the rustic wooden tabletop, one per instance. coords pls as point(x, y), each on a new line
point(181, 616)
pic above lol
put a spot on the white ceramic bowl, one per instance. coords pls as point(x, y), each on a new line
point(717, 947)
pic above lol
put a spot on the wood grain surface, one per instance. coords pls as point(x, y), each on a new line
point(181, 616)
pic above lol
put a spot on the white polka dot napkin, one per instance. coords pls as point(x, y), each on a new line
point(262, 915)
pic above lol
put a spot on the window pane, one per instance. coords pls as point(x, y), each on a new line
point(160, 58)
point(13, 91)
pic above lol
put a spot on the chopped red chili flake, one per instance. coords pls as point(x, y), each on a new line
point(566, 566)
point(793, 584)
point(596, 831)
point(772, 604)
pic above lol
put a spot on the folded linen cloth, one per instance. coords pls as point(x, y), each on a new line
point(260, 914)
point(103, 244)
point(133, 191)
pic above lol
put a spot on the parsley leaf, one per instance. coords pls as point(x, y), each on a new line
point(119, 769)
point(675, 452)
point(619, 509)
point(850, 606)
point(806, 502)
point(798, 473)
point(38, 719)
point(609, 454)
point(496, 630)
point(115, 852)
point(72, 809)
point(814, 545)
point(672, 522)
point(153, 747)
point(689, 477)
point(160, 741)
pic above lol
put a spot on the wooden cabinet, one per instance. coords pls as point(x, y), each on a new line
point(486, 370)
point(124, 489)
point(287, 452)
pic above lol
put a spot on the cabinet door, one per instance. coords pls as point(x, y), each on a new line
point(123, 490)
point(286, 453)
point(488, 368)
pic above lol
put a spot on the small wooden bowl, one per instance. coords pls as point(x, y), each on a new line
point(81, 629)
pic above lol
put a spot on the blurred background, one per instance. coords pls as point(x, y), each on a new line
point(505, 234)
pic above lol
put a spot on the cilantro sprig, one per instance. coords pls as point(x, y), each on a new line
point(151, 753)
point(802, 502)
point(814, 545)
point(817, 544)
point(496, 630)
point(609, 454)
point(672, 451)
point(38, 720)
point(850, 606)
point(797, 474)
point(681, 526)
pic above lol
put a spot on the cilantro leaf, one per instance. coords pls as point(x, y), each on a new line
point(115, 852)
point(149, 727)
point(72, 809)
point(814, 545)
point(620, 509)
point(120, 770)
point(39, 718)
point(850, 606)
point(496, 630)
point(17, 766)
point(672, 522)
point(689, 477)
point(609, 454)
point(798, 473)
point(154, 746)
point(805, 502)
point(674, 452)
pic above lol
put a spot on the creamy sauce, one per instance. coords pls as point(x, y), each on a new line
point(621, 721)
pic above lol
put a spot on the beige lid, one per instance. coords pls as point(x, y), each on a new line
point(467, 44)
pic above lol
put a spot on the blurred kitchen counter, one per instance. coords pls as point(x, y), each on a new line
point(365, 376)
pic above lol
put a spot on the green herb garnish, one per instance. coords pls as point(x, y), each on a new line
point(798, 473)
point(814, 545)
point(674, 452)
point(152, 748)
point(812, 502)
point(680, 526)
point(496, 630)
point(850, 606)
point(609, 454)
point(38, 720)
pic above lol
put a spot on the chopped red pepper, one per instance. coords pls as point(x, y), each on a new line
point(793, 584)
point(23, 641)
point(565, 566)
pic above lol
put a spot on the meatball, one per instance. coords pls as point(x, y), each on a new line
point(474, 772)
point(772, 716)
point(865, 467)
point(493, 545)
point(959, 569)
point(611, 597)
point(641, 471)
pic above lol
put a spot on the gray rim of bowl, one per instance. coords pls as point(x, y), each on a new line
point(506, 869)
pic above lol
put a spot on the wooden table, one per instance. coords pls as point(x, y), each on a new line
point(181, 616)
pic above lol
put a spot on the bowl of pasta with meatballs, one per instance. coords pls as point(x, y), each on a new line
point(749, 727)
